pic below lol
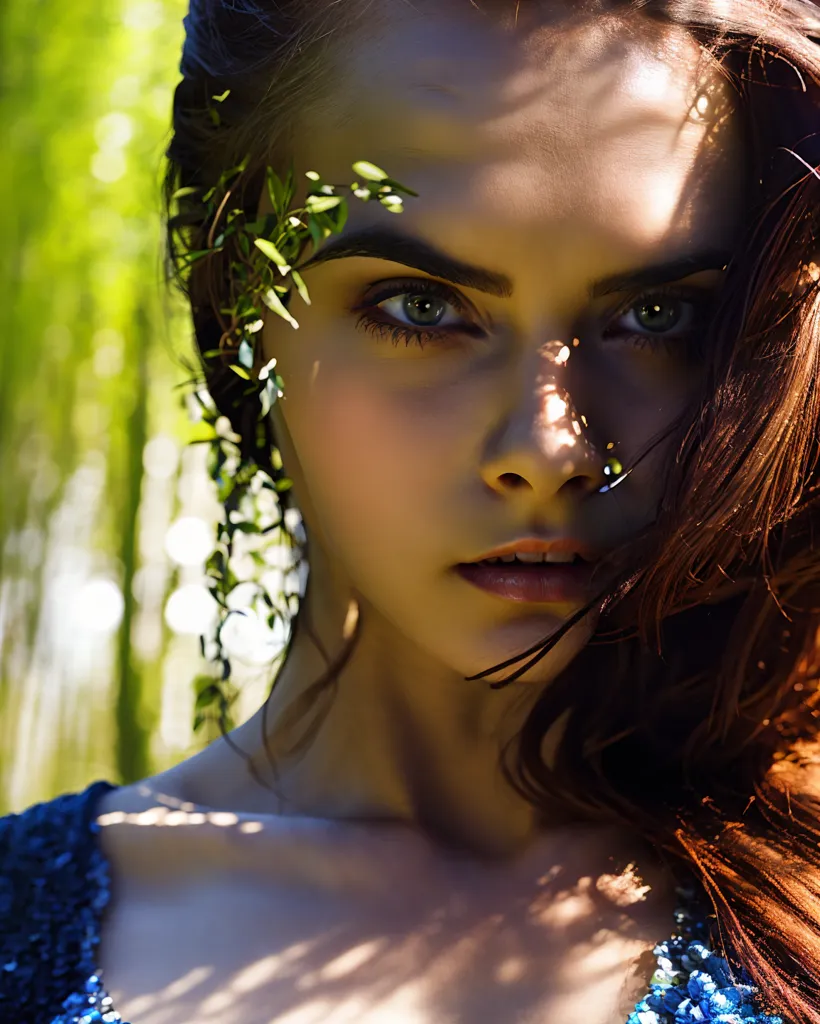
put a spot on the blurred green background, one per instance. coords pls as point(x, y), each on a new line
point(106, 513)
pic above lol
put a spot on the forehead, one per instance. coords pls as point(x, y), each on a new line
point(605, 129)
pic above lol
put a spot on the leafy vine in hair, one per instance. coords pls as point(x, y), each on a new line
point(263, 275)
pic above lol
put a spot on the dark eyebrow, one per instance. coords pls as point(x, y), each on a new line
point(662, 273)
point(388, 244)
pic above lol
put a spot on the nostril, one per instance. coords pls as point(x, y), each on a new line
point(512, 480)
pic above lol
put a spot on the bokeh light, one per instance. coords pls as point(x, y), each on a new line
point(160, 457)
point(191, 610)
point(98, 606)
point(189, 541)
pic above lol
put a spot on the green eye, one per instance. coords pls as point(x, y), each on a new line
point(673, 317)
point(660, 315)
point(424, 310)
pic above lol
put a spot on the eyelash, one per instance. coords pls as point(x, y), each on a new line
point(404, 332)
point(396, 332)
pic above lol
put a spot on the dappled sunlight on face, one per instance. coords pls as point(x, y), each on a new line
point(561, 168)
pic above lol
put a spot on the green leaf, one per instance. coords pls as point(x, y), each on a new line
point(284, 484)
point(320, 204)
point(368, 171)
point(207, 697)
point(341, 216)
point(274, 303)
point(187, 191)
point(223, 97)
point(316, 232)
point(225, 490)
point(247, 527)
point(270, 250)
point(301, 287)
point(197, 254)
point(240, 371)
point(234, 171)
point(276, 191)
point(398, 187)
point(202, 682)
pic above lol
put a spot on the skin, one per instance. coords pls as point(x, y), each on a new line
point(559, 153)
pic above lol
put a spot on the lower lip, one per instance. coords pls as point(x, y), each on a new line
point(534, 583)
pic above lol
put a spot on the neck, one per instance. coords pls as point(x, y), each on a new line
point(397, 737)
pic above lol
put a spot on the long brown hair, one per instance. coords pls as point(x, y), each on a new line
point(696, 723)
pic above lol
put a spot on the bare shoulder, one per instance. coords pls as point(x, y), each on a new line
point(148, 831)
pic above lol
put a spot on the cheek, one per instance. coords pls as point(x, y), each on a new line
point(364, 450)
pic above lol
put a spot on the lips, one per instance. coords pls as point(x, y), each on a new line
point(539, 583)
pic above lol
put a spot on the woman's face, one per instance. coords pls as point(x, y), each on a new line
point(429, 420)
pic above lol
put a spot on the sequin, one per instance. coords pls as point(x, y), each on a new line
point(55, 884)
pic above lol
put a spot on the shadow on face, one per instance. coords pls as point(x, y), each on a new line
point(466, 368)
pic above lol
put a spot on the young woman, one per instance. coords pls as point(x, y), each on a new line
point(482, 783)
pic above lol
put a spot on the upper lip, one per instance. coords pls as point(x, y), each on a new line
point(533, 544)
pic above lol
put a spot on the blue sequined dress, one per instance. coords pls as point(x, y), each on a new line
point(55, 884)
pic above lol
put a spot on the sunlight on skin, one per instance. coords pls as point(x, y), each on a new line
point(556, 173)
point(624, 889)
point(257, 974)
point(333, 1011)
point(177, 989)
point(562, 909)
point(161, 816)
point(375, 977)
point(351, 960)
point(510, 971)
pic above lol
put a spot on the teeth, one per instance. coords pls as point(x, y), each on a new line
point(560, 556)
point(531, 558)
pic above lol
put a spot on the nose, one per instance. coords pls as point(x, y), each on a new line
point(542, 449)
